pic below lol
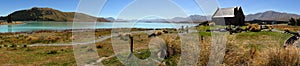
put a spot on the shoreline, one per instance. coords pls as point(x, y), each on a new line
point(13, 23)
point(82, 30)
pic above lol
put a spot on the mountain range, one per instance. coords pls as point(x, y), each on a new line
point(268, 15)
point(271, 15)
point(49, 14)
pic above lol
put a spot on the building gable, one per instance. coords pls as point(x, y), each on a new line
point(224, 12)
point(229, 16)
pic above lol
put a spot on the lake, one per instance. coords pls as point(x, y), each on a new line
point(36, 26)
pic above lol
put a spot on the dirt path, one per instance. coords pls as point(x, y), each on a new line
point(91, 42)
point(98, 40)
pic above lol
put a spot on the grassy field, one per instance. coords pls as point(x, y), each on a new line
point(283, 27)
point(246, 48)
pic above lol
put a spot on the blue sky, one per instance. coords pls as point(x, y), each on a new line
point(113, 7)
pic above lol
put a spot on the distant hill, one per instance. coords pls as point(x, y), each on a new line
point(198, 18)
point(192, 18)
point(268, 15)
point(271, 15)
point(49, 14)
point(110, 19)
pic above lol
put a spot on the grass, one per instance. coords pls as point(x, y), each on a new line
point(246, 48)
point(143, 54)
point(42, 38)
point(37, 56)
point(205, 33)
point(112, 62)
point(283, 27)
point(280, 57)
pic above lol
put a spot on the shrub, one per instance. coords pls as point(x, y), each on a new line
point(5, 45)
point(52, 52)
point(24, 46)
point(13, 45)
point(99, 46)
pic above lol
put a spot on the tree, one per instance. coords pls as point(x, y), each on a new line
point(295, 22)
point(9, 20)
point(292, 22)
point(298, 21)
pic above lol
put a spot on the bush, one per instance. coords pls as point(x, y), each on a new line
point(24, 46)
point(52, 52)
point(12, 46)
point(99, 46)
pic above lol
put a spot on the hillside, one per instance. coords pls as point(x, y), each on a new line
point(49, 14)
point(268, 15)
point(191, 18)
point(271, 15)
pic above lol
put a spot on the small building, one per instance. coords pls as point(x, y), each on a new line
point(229, 16)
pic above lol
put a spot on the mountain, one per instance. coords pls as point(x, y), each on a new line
point(198, 18)
point(271, 15)
point(180, 19)
point(268, 15)
point(152, 20)
point(192, 18)
point(110, 19)
point(49, 14)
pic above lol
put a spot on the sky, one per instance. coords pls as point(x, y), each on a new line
point(113, 8)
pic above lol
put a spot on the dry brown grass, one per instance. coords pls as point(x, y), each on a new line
point(13, 23)
point(283, 27)
point(251, 49)
point(37, 56)
point(282, 57)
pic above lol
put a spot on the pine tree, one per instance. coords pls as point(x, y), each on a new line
point(298, 21)
point(9, 20)
point(293, 22)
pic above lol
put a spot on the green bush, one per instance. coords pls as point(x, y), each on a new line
point(53, 52)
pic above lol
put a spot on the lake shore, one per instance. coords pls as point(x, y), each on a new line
point(29, 26)
point(13, 23)
point(80, 30)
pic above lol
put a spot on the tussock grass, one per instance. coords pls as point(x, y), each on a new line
point(248, 48)
point(283, 57)
point(283, 27)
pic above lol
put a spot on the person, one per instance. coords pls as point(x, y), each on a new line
point(187, 29)
point(182, 29)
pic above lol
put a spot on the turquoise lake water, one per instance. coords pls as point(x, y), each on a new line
point(36, 26)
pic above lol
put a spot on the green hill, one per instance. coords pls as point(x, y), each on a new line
point(49, 14)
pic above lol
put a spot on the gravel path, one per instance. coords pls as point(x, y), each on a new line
point(102, 38)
